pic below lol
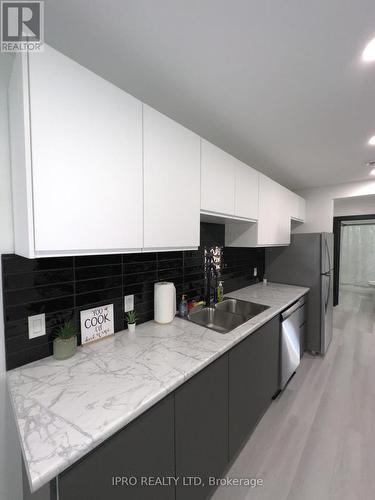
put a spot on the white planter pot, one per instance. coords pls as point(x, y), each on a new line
point(131, 328)
point(64, 348)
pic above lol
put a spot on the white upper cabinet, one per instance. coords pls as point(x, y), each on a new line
point(246, 190)
point(217, 180)
point(81, 175)
point(297, 207)
point(19, 135)
point(171, 183)
point(229, 188)
point(273, 225)
point(274, 216)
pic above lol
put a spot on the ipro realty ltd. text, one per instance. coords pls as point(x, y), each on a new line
point(193, 481)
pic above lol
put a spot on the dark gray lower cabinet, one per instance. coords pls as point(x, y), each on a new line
point(253, 380)
point(201, 426)
point(143, 448)
point(46, 492)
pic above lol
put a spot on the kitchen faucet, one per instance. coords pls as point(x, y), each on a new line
point(210, 270)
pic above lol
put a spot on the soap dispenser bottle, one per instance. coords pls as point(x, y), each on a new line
point(220, 292)
point(183, 309)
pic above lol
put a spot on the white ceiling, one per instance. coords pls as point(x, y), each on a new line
point(277, 83)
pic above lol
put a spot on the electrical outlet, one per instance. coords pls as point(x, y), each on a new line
point(255, 272)
point(129, 303)
point(37, 326)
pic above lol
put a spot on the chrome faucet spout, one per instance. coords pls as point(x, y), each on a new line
point(210, 271)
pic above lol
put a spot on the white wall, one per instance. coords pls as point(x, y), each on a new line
point(356, 205)
point(10, 455)
point(320, 204)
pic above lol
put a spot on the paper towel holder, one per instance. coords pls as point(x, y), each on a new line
point(164, 302)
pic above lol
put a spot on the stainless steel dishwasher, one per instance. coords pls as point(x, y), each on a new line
point(290, 351)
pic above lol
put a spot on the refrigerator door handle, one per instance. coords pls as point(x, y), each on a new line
point(328, 292)
point(328, 254)
point(329, 257)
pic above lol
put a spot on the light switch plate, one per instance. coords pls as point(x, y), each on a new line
point(37, 326)
point(129, 303)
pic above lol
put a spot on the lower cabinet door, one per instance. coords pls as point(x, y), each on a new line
point(253, 380)
point(201, 425)
point(144, 448)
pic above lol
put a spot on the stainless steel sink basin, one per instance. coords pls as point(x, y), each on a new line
point(226, 315)
point(241, 307)
point(215, 319)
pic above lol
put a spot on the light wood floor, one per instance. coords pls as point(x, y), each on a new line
point(317, 441)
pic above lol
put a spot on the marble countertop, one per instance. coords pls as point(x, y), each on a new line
point(64, 409)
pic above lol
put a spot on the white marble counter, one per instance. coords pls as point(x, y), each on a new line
point(63, 409)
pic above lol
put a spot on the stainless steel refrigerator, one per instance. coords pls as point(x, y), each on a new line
point(308, 261)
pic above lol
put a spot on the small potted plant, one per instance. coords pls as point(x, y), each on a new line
point(65, 343)
point(131, 318)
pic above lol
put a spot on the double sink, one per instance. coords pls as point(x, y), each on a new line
point(227, 315)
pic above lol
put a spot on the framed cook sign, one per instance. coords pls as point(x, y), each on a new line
point(97, 323)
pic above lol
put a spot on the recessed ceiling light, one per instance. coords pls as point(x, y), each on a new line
point(372, 141)
point(368, 55)
point(371, 164)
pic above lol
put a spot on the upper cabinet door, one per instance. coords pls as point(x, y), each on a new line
point(218, 180)
point(171, 183)
point(298, 207)
point(247, 191)
point(86, 159)
point(274, 213)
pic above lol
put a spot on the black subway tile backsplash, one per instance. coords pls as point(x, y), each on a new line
point(139, 257)
point(97, 260)
point(61, 287)
point(85, 286)
point(140, 267)
point(14, 313)
point(22, 357)
point(22, 265)
point(106, 295)
point(100, 271)
point(148, 277)
point(27, 295)
point(170, 255)
point(37, 278)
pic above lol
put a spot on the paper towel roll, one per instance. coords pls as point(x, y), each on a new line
point(164, 302)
